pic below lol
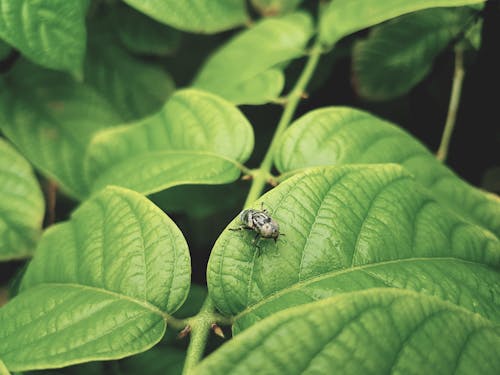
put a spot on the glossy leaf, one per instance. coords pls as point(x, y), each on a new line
point(135, 88)
point(248, 61)
point(378, 331)
point(51, 118)
point(471, 286)
point(50, 33)
point(275, 7)
point(340, 219)
point(99, 287)
point(141, 34)
point(341, 135)
point(343, 17)
point(398, 55)
point(197, 16)
point(21, 205)
point(197, 138)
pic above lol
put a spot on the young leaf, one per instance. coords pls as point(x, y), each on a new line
point(50, 33)
point(100, 286)
point(199, 16)
point(51, 118)
point(341, 135)
point(398, 55)
point(271, 41)
point(21, 205)
point(378, 331)
point(141, 34)
point(197, 138)
point(341, 219)
point(343, 17)
point(135, 89)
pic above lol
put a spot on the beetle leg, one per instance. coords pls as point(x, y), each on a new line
point(255, 241)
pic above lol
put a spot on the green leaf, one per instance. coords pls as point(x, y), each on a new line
point(340, 219)
point(398, 55)
point(21, 205)
point(141, 34)
point(197, 16)
point(341, 135)
point(135, 89)
point(256, 80)
point(472, 286)
point(378, 331)
point(260, 89)
point(197, 138)
point(99, 287)
point(50, 33)
point(51, 118)
point(343, 17)
point(274, 7)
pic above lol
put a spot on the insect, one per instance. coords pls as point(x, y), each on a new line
point(261, 222)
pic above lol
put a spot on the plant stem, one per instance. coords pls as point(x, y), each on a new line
point(261, 175)
point(201, 323)
point(200, 328)
point(456, 90)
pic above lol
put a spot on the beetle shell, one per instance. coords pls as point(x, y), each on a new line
point(260, 222)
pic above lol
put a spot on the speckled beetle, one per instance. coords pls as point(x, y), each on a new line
point(261, 222)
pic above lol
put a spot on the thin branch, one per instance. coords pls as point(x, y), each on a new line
point(200, 328)
point(456, 90)
point(260, 179)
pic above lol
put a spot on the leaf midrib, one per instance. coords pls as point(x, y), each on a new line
point(299, 285)
point(145, 304)
point(157, 153)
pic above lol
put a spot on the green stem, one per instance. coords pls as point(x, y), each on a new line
point(261, 175)
point(456, 90)
point(175, 323)
point(200, 328)
point(201, 323)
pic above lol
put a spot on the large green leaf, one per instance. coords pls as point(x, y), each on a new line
point(141, 34)
point(135, 88)
point(345, 219)
point(51, 118)
point(340, 135)
point(197, 138)
point(21, 205)
point(199, 16)
point(470, 285)
point(248, 61)
point(99, 287)
point(398, 55)
point(343, 17)
point(378, 331)
point(50, 33)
